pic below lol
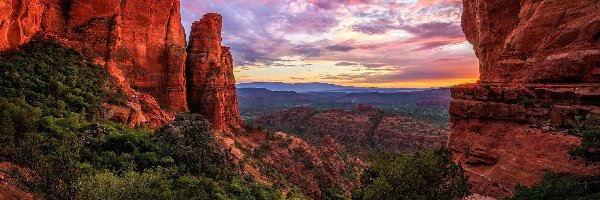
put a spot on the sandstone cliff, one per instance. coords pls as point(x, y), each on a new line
point(209, 71)
point(142, 42)
point(540, 68)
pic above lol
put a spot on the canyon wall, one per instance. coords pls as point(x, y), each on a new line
point(141, 41)
point(209, 71)
point(540, 68)
point(143, 45)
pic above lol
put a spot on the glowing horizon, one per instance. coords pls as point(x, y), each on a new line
point(365, 43)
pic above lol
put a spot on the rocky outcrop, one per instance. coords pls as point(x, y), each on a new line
point(535, 41)
point(9, 185)
point(20, 20)
point(540, 68)
point(143, 39)
point(316, 171)
point(210, 79)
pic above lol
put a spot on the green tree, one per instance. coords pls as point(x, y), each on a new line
point(560, 187)
point(427, 174)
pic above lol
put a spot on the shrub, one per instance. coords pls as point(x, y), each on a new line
point(560, 186)
point(588, 129)
point(428, 174)
point(190, 141)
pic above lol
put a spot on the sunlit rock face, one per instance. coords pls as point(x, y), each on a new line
point(211, 83)
point(540, 68)
point(526, 41)
point(143, 40)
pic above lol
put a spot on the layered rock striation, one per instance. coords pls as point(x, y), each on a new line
point(540, 68)
point(210, 79)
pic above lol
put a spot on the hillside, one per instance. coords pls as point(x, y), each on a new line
point(56, 128)
point(365, 131)
point(427, 105)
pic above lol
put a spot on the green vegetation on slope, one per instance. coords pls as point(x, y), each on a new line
point(50, 122)
point(560, 187)
point(427, 174)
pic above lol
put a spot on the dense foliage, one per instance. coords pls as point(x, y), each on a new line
point(560, 187)
point(588, 129)
point(50, 123)
point(428, 174)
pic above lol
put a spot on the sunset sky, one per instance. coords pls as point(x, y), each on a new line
point(375, 43)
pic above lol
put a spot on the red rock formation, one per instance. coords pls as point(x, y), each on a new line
point(535, 41)
point(211, 84)
point(19, 21)
point(312, 169)
point(363, 130)
point(9, 189)
point(143, 39)
point(540, 67)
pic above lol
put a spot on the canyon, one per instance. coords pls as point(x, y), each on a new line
point(540, 69)
point(364, 131)
point(143, 45)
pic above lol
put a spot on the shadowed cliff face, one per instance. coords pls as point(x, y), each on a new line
point(211, 83)
point(141, 41)
point(540, 68)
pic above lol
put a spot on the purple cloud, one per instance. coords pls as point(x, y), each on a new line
point(436, 29)
point(262, 32)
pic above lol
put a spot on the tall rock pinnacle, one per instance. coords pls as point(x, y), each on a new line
point(209, 72)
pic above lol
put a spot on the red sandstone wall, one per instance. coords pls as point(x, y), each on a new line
point(540, 67)
point(142, 41)
point(211, 83)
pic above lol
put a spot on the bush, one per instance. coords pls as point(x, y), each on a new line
point(190, 141)
point(150, 184)
point(560, 186)
point(588, 129)
point(428, 174)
